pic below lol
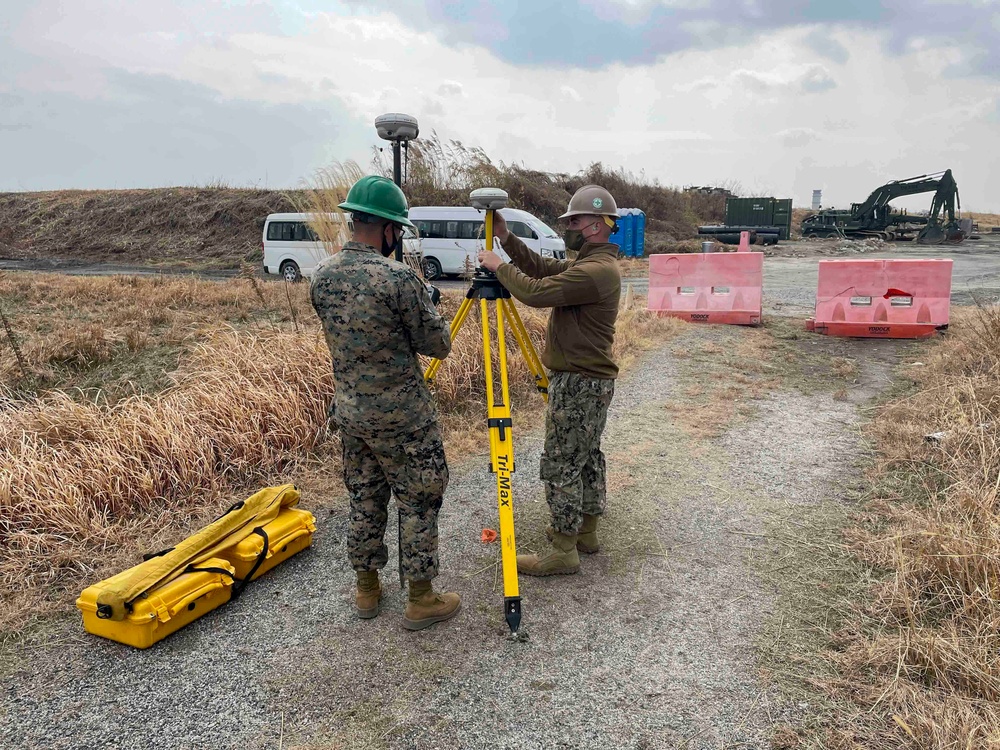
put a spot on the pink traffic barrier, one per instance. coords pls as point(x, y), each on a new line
point(873, 298)
point(707, 287)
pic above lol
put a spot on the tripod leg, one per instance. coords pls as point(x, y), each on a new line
point(502, 463)
point(456, 324)
point(527, 348)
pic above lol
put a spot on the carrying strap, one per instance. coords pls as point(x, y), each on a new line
point(239, 584)
point(104, 611)
point(161, 553)
point(234, 507)
point(115, 593)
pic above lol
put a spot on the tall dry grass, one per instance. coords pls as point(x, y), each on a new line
point(115, 335)
point(985, 221)
point(242, 408)
point(921, 662)
point(321, 201)
point(442, 173)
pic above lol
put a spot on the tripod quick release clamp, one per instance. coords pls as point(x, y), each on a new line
point(486, 285)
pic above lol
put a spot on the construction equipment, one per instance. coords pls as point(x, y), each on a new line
point(172, 588)
point(875, 217)
point(487, 288)
point(768, 220)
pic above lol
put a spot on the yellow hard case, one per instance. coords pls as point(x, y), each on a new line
point(163, 609)
point(289, 533)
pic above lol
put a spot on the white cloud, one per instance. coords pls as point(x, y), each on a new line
point(451, 88)
point(570, 93)
point(793, 137)
point(816, 79)
point(764, 112)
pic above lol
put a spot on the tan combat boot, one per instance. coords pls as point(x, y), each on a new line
point(562, 559)
point(586, 540)
point(369, 593)
point(427, 607)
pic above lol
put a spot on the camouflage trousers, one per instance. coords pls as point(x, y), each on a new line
point(413, 468)
point(572, 464)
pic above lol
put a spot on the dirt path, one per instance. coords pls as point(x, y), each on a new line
point(657, 643)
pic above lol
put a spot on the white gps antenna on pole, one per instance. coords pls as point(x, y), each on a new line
point(489, 200)
point(399, 129)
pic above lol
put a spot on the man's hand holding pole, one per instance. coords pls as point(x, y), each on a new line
point(488, 259)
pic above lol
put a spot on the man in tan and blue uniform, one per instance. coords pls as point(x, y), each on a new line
point(377, 316)
point(583, 294)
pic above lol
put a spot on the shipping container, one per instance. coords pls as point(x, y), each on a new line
point(761, 212)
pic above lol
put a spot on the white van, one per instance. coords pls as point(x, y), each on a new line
point(452, 236)
point(292, 250)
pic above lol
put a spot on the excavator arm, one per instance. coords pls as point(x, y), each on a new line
point(867, 214)
point(946, 199)
point(873, 217)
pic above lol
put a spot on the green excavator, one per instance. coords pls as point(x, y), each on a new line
point(875, 217)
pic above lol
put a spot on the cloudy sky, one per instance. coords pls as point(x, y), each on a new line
point(779, 97)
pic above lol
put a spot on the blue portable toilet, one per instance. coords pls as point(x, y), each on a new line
point(640, 232)
point(631, 234)
point(628, 229)
point(618, 237)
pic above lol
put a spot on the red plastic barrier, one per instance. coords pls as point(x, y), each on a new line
point(707, 287)
point(894, 299)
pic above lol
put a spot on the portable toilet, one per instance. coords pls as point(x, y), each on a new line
point(618, 238)
point(640, 232)
point(628, 221)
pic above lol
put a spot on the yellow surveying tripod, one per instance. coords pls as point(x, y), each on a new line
point(487, 288)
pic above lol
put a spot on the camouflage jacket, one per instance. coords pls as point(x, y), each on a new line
point(377, 317)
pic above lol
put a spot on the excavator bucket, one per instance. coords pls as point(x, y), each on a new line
point(932, 234)
point(953, 233)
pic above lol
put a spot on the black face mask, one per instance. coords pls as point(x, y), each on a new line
point(574, 239)
point(390, 249)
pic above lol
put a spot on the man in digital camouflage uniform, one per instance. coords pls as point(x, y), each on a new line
point(583, 294)
point(377, 317)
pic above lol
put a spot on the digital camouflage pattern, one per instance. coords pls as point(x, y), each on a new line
point(572, 464)
point(377, 317)
point(414, 469)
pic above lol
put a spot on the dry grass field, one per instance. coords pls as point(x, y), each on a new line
point(923, 649)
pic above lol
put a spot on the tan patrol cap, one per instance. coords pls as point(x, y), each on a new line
point(591, 200)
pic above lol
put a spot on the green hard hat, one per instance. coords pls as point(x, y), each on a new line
point(378, 196)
